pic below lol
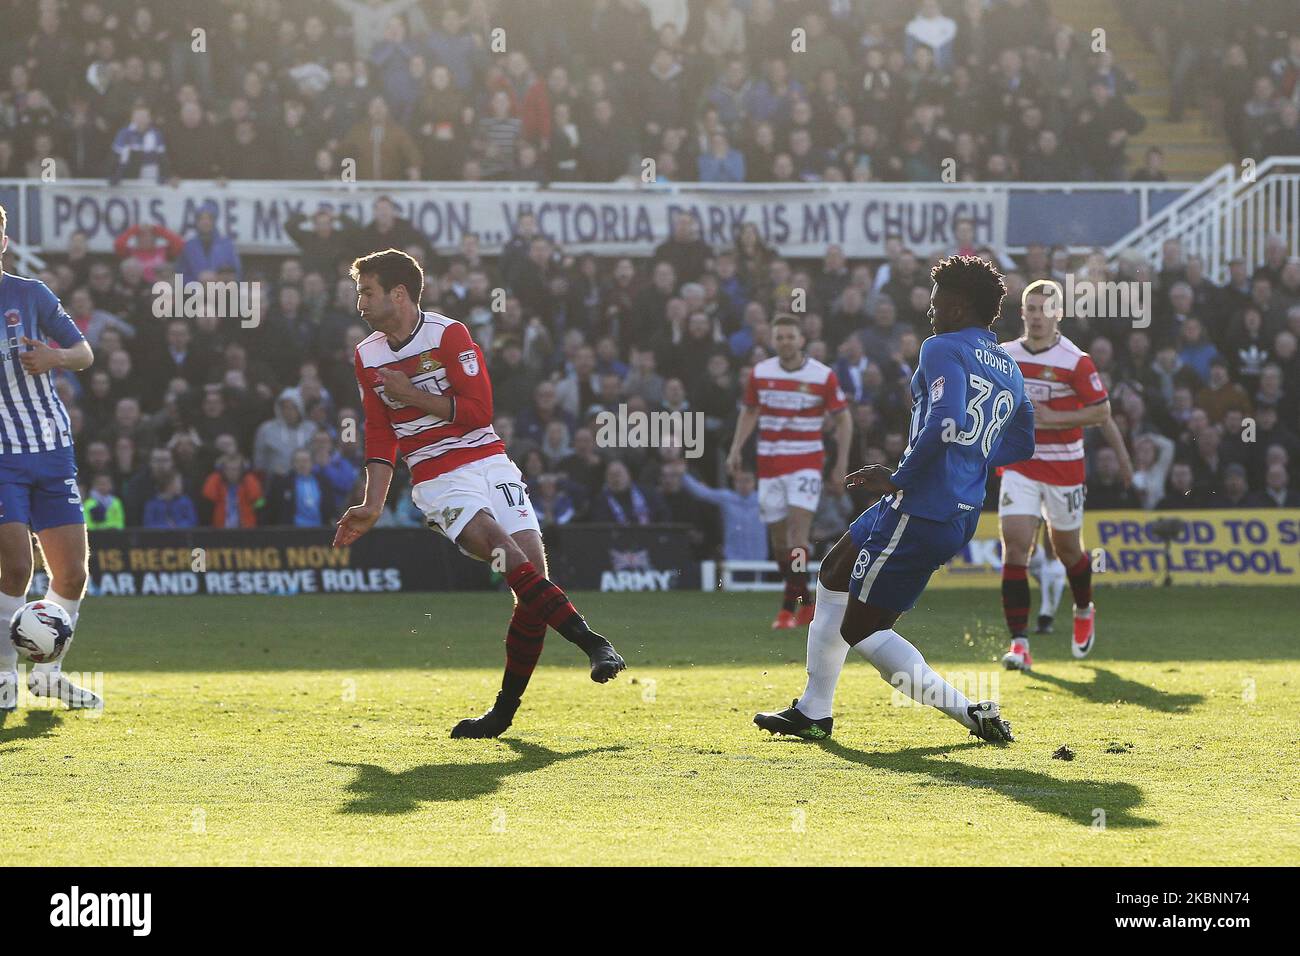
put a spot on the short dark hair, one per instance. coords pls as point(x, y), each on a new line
point(976, 281)
point(392, 268)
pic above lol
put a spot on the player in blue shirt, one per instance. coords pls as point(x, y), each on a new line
point(38, 473)
point(969, 414)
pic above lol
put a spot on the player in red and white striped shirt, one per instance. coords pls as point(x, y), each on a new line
point(427, 397)
point(788, 397)
point(1068, 395)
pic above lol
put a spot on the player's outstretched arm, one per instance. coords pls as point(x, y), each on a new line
point(359, 519)
point(874, 479)
point(698, 489)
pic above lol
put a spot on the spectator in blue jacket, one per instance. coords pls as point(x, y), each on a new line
point(208, 251)
point(621, 501)
point(171, 507)
point(455, 48)
point(552, 503)
point(302, 497)
point(851, 369)
point(391, 58)
point(744, 536)
point(721, 164)
point(139, 150)
point(728, 95)
point(1195, 350)
point(331, 467)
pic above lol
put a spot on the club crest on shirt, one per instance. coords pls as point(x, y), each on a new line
point(469, 361)
point(1049, 374)
point(936, 390)
point(427, 362)
point(13, 317)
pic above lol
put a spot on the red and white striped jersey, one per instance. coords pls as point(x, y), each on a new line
point(441, 358)
point(1063, 378)
point(791, 409)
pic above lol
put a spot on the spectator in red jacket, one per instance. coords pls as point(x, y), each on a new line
point(151, 244)
point(234, 493)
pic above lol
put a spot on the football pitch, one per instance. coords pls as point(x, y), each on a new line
point(313, 730)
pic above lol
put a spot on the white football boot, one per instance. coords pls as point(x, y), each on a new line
point(46, 684)
point(8, 692)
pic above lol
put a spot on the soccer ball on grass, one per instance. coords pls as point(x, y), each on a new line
point(40, 631)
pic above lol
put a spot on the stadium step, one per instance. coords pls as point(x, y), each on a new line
point(1194, 147)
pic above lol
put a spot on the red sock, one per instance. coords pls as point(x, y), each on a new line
point(1015, 597)
point(547, 602)
point(1080, 576)
point(523, 648)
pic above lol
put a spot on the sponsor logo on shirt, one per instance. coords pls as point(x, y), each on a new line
point(469, 361)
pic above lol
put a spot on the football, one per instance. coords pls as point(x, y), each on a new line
point(40, 630)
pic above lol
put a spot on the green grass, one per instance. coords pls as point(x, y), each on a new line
point(313, 730)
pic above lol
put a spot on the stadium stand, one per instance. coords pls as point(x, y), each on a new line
point(195, 421)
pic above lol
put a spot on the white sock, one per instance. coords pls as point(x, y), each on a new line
point(73, 607)
point(826, 653)
point(1051, 587)
point(904, 668)
point(9, 603)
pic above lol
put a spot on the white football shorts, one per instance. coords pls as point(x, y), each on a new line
point(1061, 505)
point(799, 489)
point(494, 485)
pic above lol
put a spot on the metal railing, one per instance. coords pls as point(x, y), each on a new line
point(29, 261)
point(1230, 215)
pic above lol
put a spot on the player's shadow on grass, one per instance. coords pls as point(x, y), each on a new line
point(1107, 687)
point(383, 792)
point(39, 723)
point(1074, 801)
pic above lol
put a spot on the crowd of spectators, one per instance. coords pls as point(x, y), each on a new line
point(712, 90)
point(202, 421)
point(1239, 60)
